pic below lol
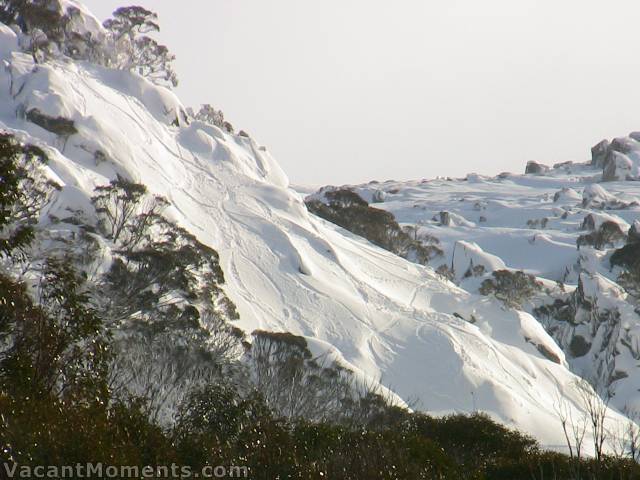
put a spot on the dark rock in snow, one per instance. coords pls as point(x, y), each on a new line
point(617, 166)
point(634, 232)
point(599, 153)
point(535, 168)
point(563, 164)
point(579, 346)
point(589, 223)
point(623, 145)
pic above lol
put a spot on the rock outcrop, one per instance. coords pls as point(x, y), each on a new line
point(617, 167)
point(535, 168)
point(618, 159)
point(599, 153)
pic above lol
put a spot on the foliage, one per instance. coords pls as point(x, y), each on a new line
point(117, 205)
point(51, 31)
point(474, 442)
point(59, 125)
point(628, 257)
point(125, 43)
point(210, 115)
point(163, 292)
point(538, 223)
point(630, 280)
point(24, 193)
point(348, 210)
point(297, 385)
point(446, 272)
point(59, 347)
point(563, 310)
point(158, 266)
point(511, 288)
point(608, 234)
point(474, 270)
point(40, 19)
point(217, 424)
point(53, 364)
point(135, 50)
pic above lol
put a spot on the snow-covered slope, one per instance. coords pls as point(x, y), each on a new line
point(286, 270)
point(533, 222)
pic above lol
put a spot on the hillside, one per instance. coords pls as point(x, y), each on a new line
point(563, 225)
point(436, 343)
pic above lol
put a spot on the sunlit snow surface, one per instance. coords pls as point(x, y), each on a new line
point(289, 271)
point(496, 212)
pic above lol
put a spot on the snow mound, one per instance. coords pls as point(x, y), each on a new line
point(567, 196)
point(596, 196)
point(467, 255)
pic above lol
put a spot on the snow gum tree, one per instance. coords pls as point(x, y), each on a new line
point(135, 50)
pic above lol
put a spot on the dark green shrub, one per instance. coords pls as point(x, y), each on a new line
point(474, 442)
point(59, 125)
point(23, 193)
point(628, 257)
point(511, 288)
point(349, 211)
point(608, 234)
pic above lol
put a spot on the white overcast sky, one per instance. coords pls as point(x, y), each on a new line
point(346, 91)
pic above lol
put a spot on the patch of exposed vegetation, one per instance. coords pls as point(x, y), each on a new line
point(348, 210)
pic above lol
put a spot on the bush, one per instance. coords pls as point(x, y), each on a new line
point(474, 442)
point(446, 272)
point(125, 46)
point(628, 257)
point(348, 210)
point(295, 385)
point(163, 292)
point(210, 115)
point(608, 234)
point(53, 370)
point(41, 20)
point(59, 125)
point(157, 265)
point(511, 288)
point(24, 192)
point(59, 347)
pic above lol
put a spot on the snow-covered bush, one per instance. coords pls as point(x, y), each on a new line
point(538, 223)
point(51, 28)
point(163, 291)
point(630, 280)
point(210, 115)
point(445, 272)
point(40, 20)
point(125, 211)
